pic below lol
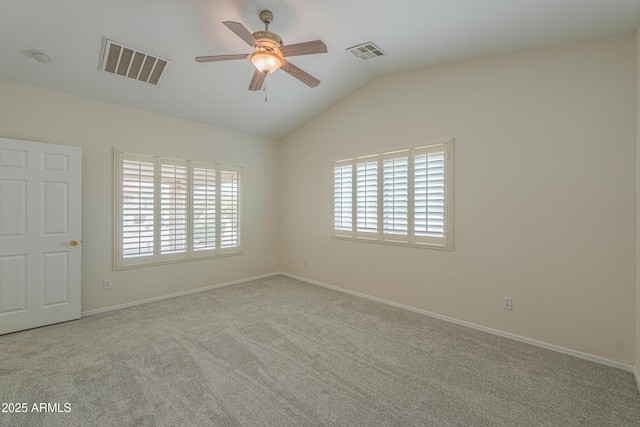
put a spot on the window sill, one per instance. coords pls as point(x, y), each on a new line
point(396, 243)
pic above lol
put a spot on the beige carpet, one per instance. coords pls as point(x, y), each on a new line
point(280, 352)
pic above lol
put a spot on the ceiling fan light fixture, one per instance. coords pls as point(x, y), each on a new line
point(265, 60)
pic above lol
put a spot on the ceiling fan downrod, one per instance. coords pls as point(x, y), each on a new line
point(267, 17)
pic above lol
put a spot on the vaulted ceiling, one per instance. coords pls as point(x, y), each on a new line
point(412, 34)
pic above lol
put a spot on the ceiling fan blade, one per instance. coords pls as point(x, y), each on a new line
point(257, 80)
point(296, 72)
point(306, 48)
point(242, 32)
point(220, 57)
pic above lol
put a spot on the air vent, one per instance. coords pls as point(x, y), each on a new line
point(366, 51)
point(135, 64)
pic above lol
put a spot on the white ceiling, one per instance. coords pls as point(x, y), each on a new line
point(413, 33)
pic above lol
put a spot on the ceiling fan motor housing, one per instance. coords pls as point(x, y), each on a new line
point(268, 39)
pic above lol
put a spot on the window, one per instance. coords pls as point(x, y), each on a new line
point(401, 197)
point(170, 209)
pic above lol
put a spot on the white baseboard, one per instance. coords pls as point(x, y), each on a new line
point(179, 294)
point(537, 343)
point(635, 372)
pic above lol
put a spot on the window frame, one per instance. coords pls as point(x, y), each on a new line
point(190, 252)
point(382, 234)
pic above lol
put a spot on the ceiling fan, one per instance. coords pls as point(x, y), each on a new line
point(270, 53)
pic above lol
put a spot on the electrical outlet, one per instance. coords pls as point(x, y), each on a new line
point(269, 259)
point(106, 284)
point(305, 262)
point(506, 303)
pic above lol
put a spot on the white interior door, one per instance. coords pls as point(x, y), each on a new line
point(39, 234)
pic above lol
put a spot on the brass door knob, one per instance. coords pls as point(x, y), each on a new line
point(73, 242)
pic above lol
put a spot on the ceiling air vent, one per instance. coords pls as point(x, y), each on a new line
point(133, 63)
point(366, 51)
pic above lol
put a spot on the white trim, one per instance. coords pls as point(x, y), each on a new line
point(179, 294)
point(553, 347)
point(637, 375)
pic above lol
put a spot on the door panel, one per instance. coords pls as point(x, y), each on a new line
point(55, 203)
point(13, 158)
point(13, 212)
point(13, 283)
point(55, 162)
point(55, 282)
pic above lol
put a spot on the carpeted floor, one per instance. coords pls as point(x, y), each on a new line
point(280, 352)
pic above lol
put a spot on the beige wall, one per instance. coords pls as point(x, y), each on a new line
point(32, 113)
point(544, 202)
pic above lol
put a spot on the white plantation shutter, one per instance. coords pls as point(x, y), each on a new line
point(395, 195)
point(367, 197)
point(343, 198)
point(402, 197)
point(230, 209)
point(171, 210)
point(136, 213)
point(430, 218)
point(204, 208)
